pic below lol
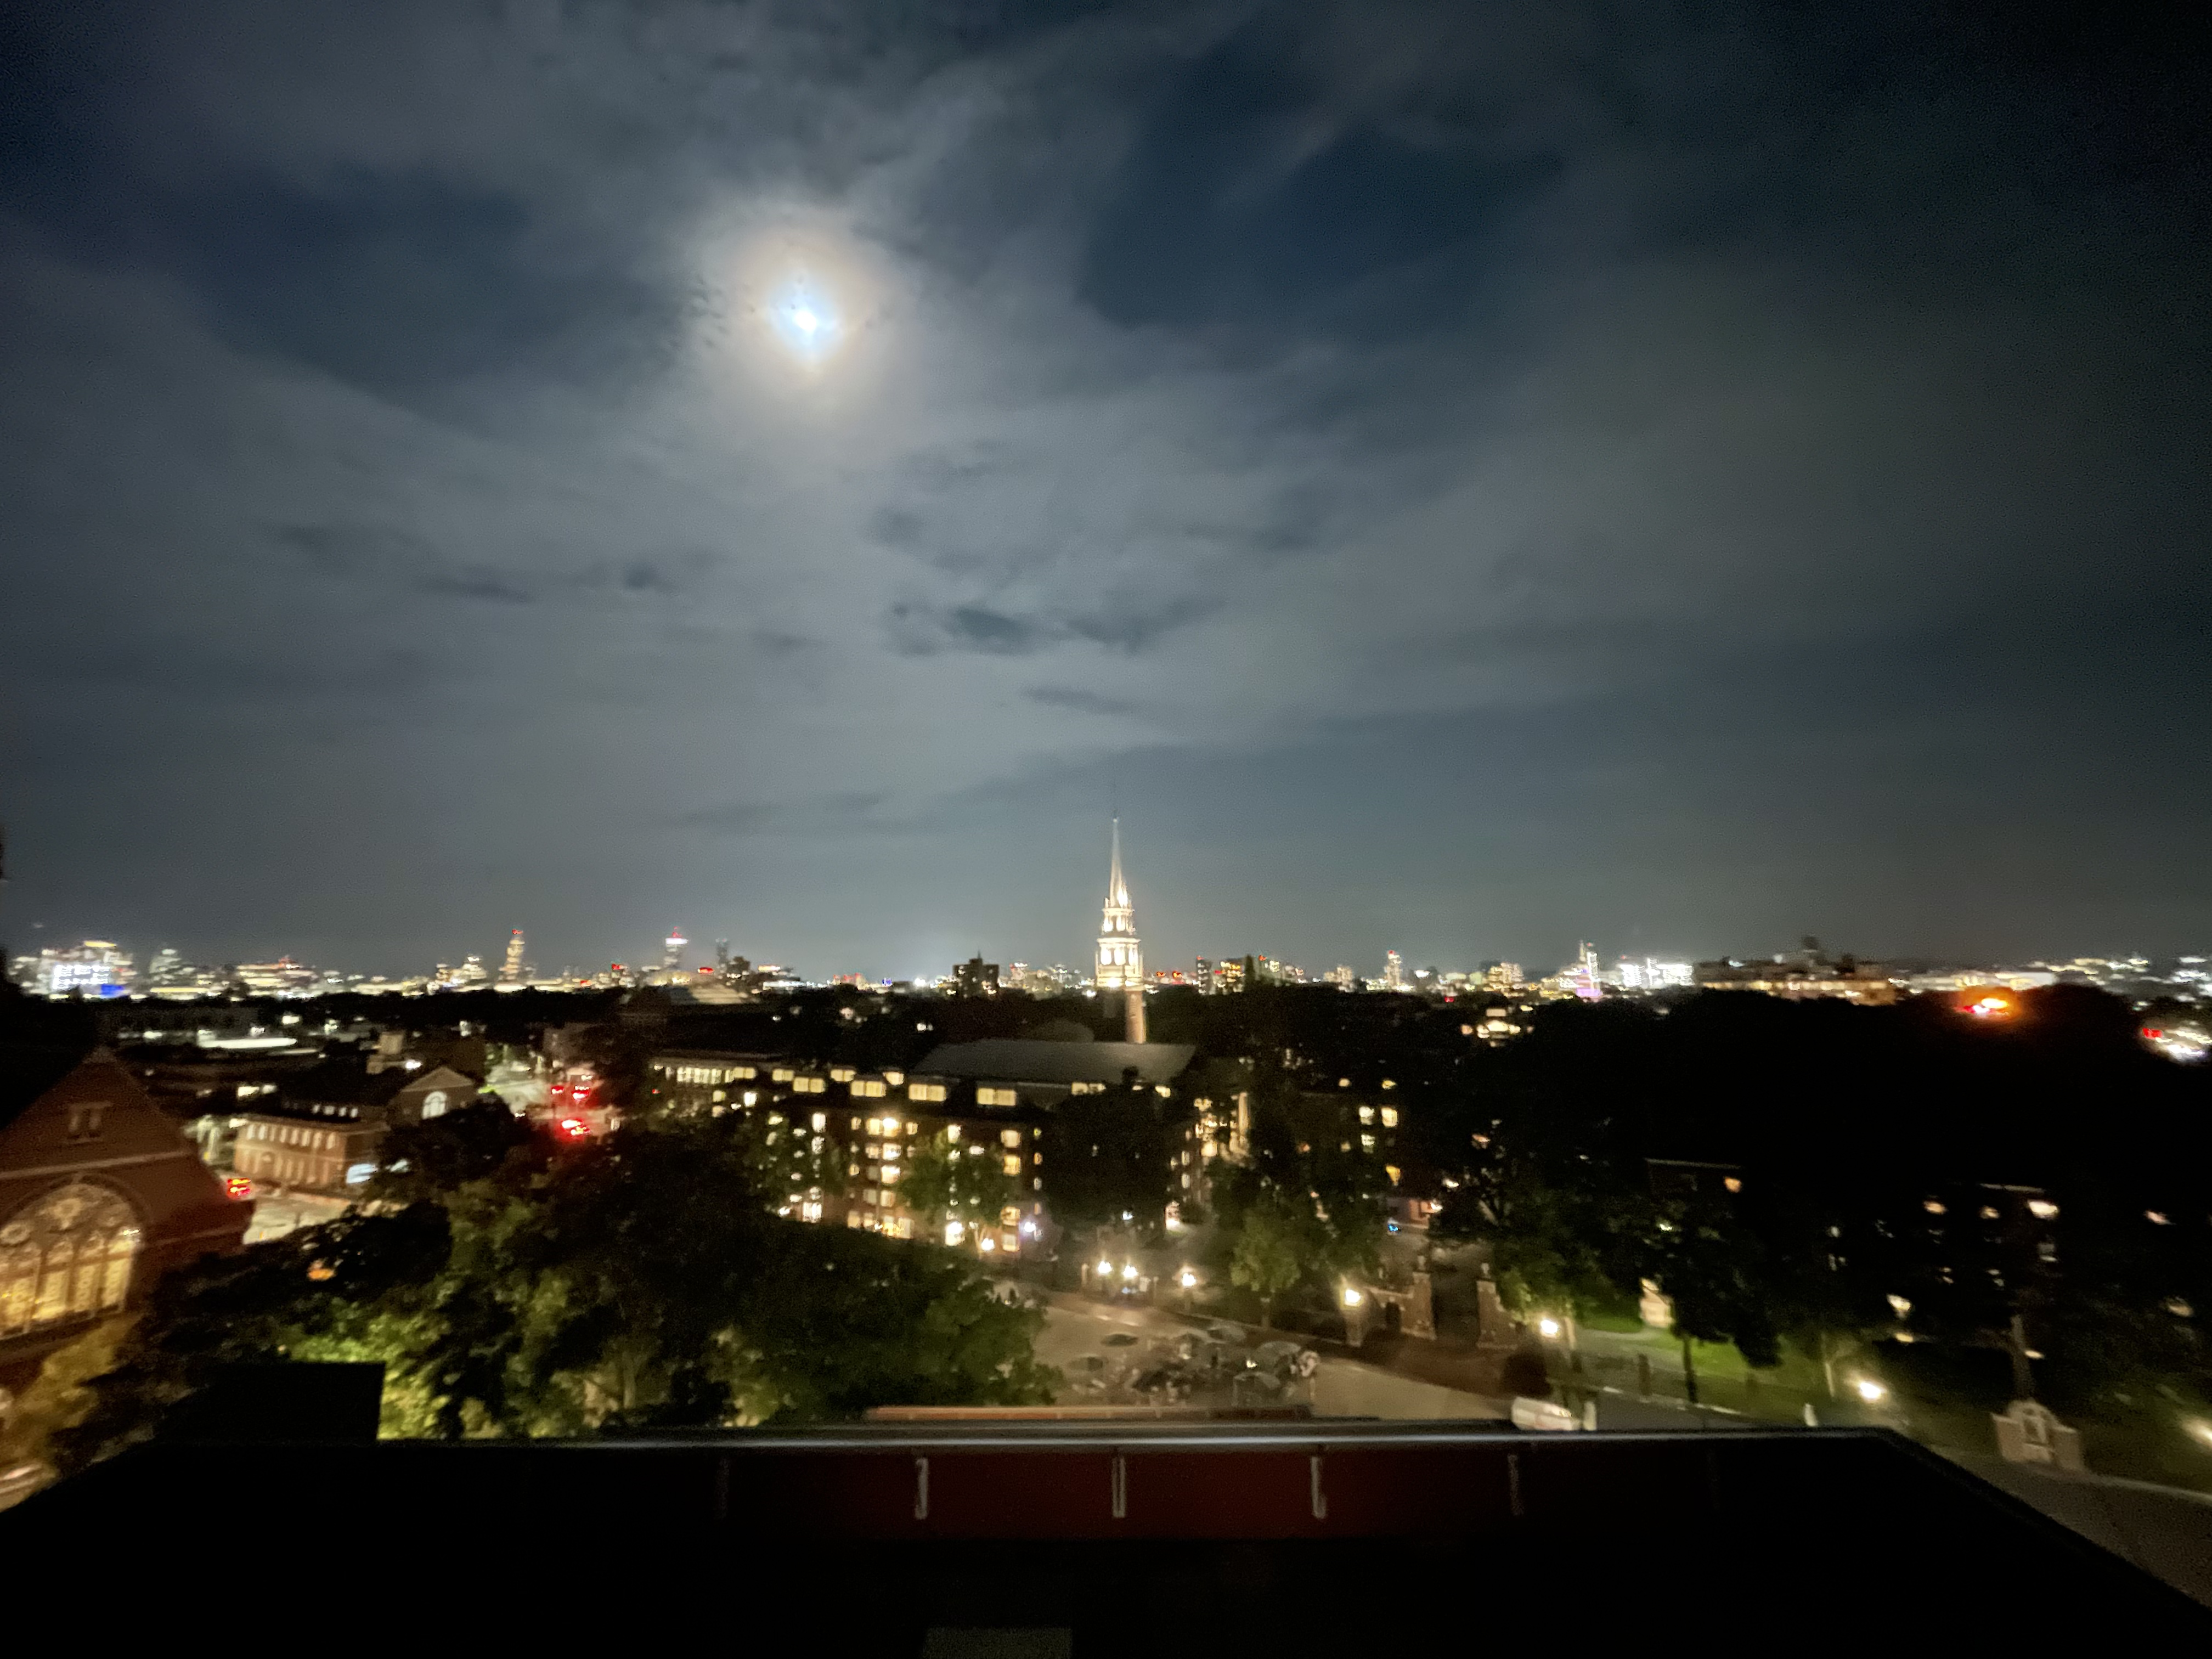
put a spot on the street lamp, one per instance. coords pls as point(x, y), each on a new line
point(1548, 1327)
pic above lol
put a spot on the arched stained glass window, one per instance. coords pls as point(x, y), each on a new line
point(67, 1255)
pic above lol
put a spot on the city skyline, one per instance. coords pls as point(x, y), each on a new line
point(669, 952)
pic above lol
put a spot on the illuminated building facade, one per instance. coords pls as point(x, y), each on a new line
point(97, 970)
point(514, 969)
point(324, 1131)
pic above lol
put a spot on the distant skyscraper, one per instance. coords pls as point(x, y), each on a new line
point(1588, 982)
point(511, 970)
point(1121, 963)
point(671, 952)
point(1393, 971)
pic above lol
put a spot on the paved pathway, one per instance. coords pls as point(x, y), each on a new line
point(1076, 1328)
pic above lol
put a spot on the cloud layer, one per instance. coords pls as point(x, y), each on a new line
point(1458, 478)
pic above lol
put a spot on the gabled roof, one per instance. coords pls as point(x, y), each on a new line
point(350, 1083)
point(1026, 1060)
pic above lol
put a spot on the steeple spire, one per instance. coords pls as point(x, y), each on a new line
point(1121, 963)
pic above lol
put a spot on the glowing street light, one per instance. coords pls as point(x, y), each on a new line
point(1352, 1297)
point(1548, 1327)
point(1870, 1391)
point(1188, 1280)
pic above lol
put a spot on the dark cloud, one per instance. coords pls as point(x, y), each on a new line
point(1082, 702)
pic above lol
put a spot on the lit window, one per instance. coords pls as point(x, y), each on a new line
point(781, 1074)
point(1367, 1114)
point(840, 1074)
point(820, 1121)
point(67, 1257)
point(1389, 1117)
point(953, 1131)
point(1013, 1163)
point(925, 1091)
point(1367, 1143)
point(997, 1097)
point(1010, 1137)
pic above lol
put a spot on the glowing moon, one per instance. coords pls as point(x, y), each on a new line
point(806, 298)
point(803, 319)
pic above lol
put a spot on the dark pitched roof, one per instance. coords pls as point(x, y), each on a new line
point(1022, 1059)
point(346, 1083)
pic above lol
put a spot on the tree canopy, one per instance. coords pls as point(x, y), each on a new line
point(639, 1281)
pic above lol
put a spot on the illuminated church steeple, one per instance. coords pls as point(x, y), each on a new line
point(1120, 968)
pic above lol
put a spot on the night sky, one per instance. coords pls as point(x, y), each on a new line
point(1460, 478)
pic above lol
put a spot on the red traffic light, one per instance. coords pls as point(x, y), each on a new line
point(238, 1186)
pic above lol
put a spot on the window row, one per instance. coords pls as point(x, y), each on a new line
point(285, 1135)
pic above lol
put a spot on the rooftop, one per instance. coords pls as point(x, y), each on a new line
point(1027, 1059)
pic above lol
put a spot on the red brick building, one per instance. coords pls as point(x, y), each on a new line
point(100, 1191)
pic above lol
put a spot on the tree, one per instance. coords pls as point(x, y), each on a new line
point(945, 1179)
point(1106, 1157)
point(60, 1398)
point(636, 1281)
point(1306, 1184)
point(1272, 1245)
point(444, 1154)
